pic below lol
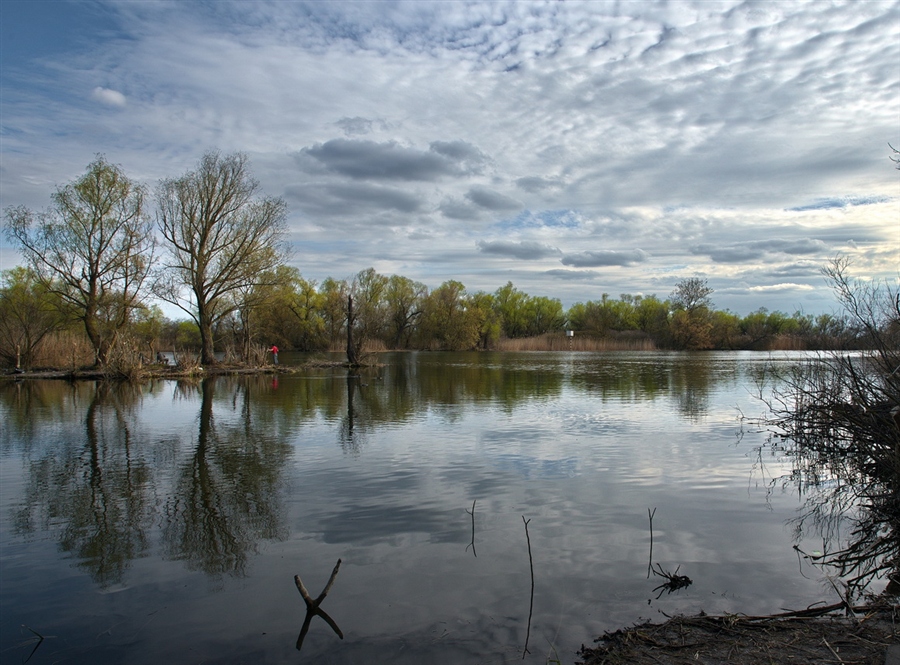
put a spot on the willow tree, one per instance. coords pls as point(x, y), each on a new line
point(221, 238)
point(93, 249)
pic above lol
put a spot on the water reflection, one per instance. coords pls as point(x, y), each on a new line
point(852, 508)
point(99, 491)
point(247, 481)
point(100, 488)
point(225, 497)
point(838, 423)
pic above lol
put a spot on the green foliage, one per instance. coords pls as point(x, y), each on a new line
point(187, 335)
point(404, 299)
point(521, 315)
point(28, 313)
point(447, 321)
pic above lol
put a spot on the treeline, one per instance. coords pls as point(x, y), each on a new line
point(97, 260)
point(395, 312)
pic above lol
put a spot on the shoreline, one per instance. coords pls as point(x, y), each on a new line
point(166, 372)
point(837, 633)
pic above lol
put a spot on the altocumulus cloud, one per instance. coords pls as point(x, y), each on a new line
point(703, 133)
point(604, 258)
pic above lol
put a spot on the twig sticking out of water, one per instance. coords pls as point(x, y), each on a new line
point(40, 641)
point(312, 606)
point(650, 564)
point(472, 544)
point(531, 606)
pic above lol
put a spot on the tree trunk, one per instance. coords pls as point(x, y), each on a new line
point(101, 350)
point(352, 355)
point(207, 346)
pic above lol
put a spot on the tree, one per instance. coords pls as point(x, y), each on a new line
point(333, 304)
point(370, 312)
point(691, 294)
point(93, 248)
point(509, 303)
point(28, 313)
point(691, 323)
point(220, 237)
point(404, 306)
point(305, 305)
point(483, 309)
point(448, 320)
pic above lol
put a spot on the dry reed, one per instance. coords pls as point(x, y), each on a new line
point(559, 342)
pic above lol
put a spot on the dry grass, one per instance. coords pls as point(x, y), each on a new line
point(69, 350)
point(559, 342)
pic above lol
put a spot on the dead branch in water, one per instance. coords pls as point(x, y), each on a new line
point(312, 606)
point(531, 605)
point(673, 582)
point(650, 564)
point(472, 544)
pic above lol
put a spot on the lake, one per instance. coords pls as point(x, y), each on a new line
point(486, 508)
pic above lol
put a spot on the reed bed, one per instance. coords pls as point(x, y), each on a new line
point(64, 350)
point(559, 342)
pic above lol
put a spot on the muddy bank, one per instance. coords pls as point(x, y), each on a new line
point(831, 634)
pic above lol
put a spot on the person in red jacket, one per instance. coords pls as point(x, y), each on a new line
point(274, 351)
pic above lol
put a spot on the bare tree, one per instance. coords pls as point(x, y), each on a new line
point(93, 248)
point(839, 418)
point(220, 238)
point(691, 294)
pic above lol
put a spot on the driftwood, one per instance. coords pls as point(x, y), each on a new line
point(312, 606)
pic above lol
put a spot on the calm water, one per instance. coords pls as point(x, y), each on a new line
point(166, 522)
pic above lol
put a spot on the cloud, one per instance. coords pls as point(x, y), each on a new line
point(492, 200)
point(363, 159)
point(356, 198)
point(757, 249)
point(535, 184)
point(525, 250)
point(456, 209)
point(703, 134)
point(108, 97)
point(356, 126)
point(461, 152)
point(843, 202)
point(780, 288)
point(571, 275)
point(605, 258)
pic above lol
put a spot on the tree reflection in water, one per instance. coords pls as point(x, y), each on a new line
point(98, 490)
point(99, 478)
point(225, 496)
point(841, 430)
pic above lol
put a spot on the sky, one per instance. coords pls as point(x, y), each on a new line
point(573, 148)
